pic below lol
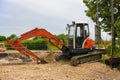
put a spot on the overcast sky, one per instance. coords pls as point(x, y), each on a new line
point(19, 16)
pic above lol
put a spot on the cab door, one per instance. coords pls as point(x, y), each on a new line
point(81, 33)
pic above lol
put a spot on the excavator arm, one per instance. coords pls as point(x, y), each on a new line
point(50, 38)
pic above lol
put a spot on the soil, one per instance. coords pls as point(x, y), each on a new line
point(59, 70)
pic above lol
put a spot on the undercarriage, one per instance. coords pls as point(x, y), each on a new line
point(93, 56)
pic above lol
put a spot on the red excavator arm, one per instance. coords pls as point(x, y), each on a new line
point(15, 44)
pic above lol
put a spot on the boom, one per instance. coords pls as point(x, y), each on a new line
point(15, 44)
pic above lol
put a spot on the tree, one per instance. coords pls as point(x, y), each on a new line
point(63, 36)
point(12, 36)
point(104, 13)
point(117, 26)
point(2, 38)
point(37, 37)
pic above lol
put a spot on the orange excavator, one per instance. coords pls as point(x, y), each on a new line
point(80, 47)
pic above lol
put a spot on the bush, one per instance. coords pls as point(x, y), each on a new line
point(116, 51)
point(107, 58)
point(35, 44)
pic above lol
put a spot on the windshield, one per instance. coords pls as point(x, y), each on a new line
point(71, 31)
point(79, 31)
point(86, 28)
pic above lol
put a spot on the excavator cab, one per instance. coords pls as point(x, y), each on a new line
point(79, 42)
point(77, 33)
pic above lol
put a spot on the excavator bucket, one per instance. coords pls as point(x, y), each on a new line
point(50, 58)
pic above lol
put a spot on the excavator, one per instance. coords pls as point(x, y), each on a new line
point(80, 47)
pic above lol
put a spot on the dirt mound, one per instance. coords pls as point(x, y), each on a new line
point(58, 71)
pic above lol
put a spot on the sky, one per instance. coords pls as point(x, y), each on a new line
point(19, 16)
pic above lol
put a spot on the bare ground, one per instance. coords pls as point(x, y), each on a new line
point(60, 70)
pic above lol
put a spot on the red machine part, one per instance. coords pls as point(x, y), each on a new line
point(88, 43)
point(15, 44)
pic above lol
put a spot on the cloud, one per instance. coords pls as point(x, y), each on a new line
point(55, 8)
point(19, 16)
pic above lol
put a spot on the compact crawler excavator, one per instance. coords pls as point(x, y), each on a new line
point(80, 47)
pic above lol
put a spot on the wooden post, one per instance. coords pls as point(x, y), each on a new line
point(112, 32)
point(112, 27)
